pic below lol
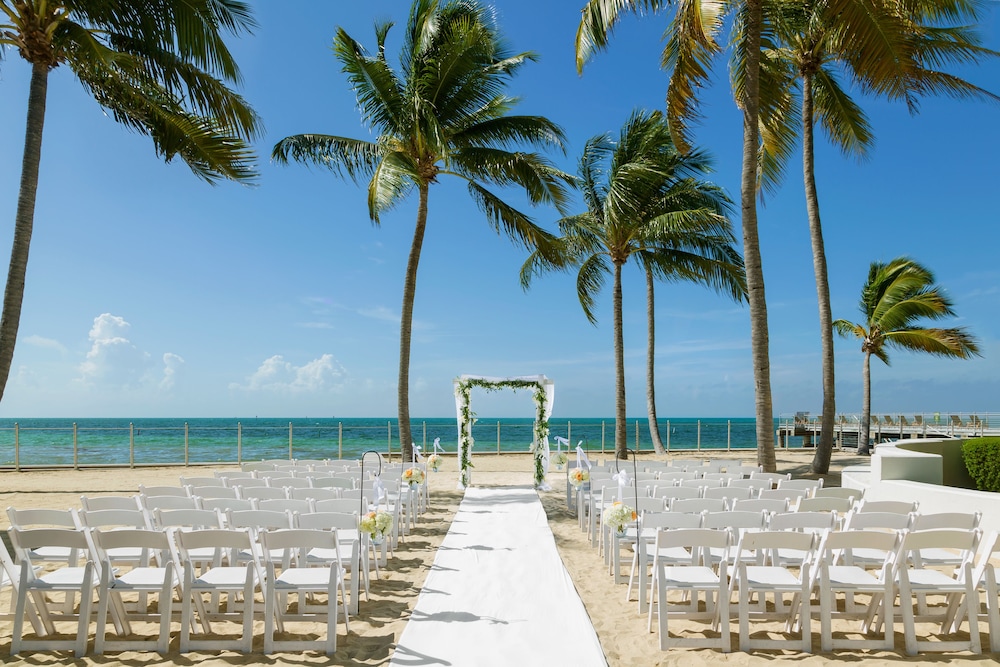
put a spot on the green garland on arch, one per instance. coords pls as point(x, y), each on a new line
point(468, 418)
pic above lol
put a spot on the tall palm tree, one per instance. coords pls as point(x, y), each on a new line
point(803, 66)
point(688, 54)
point(895, 297)
point(645, 203)
point(160, 66)
point(443, 113)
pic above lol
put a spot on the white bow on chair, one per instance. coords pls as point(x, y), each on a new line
point(378, 490)
point(560, 441)
point(581, 457)
point(622, 478)
point(437, 446)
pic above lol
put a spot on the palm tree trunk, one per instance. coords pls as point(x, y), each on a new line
point(621, 431)
point(24, 221)
point(406, 326)
point(824, 451)
point(866, 406)
point(654, 430)
point(751, 243)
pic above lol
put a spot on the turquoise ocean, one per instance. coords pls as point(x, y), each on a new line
point(159, 441)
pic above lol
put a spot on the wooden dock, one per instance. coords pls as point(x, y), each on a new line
point(885, 428)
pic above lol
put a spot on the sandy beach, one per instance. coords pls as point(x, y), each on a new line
point(377, 627)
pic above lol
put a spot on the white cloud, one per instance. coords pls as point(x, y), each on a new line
point(276, 374)
point(379, 313)
point(115, 362)
point(112, 358)
point(46, 343)
point(172, 365)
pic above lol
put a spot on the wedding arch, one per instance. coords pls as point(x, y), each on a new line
point(543, 391)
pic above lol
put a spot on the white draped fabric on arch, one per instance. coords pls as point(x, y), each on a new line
point(543, 391)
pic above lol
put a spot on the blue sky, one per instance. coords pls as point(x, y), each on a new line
point(150, 293)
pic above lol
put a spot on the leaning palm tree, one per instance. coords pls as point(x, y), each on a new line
point(645, 203)
point(802, 75)
point(443, 113)
point(689, 51)
point(894, 299)
point(160, 67)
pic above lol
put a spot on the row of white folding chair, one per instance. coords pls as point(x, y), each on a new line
point(142, 577)
point(824, 567)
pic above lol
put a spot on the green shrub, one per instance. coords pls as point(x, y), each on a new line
point(982, 459)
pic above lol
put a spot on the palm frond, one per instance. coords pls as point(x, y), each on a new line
point(506, 219)
point(843, 120)
point(598, 20)
point(375, 85)
point(955, 342)
point(590, 279)
point(393, 179)
point(339, 154)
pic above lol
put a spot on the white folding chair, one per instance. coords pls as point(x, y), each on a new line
point(107, 520)
point(213, 492)
point(69, 580)
point(744, 469)
point(235, 581)
point(955, 583)
point(342, 505)
point(894, 506)
point(691, 578)
point(676, 476)
point(286, 505)
point(616, 542)
point(258, 493)
point(985, 578)
point(772, 477)
point(48, 518)
point(10, 577)
point(179, 491)
point(736, 522)
point(644, 554)
point(839, 572)
point(110, 502)
point(352, 554)
point(289, 482)
point(292, 575)
point(729, 493)
point(245, 482)
point(793, 496)
point(202, 481)
point(767, 575)
point(669, 493)
point(825, 504)
point(807, 485)
point(144, 579)
point(698, 505)
point(333, 482)
point(839, 492)
point(224, 505)
point(760, 505)
point(314, 494)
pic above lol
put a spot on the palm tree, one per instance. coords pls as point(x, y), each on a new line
point(644, 202)
point(804, 64)
point(443, 113)
point(160, 66)
point(894, 299)
point(688, 53)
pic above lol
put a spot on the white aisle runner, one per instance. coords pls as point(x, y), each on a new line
point(498, 593)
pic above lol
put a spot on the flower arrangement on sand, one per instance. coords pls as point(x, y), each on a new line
point(376, 524)
point(579, 476)
point(560, 458)
point(413, 476)
point(434, 462)
point(618, 515)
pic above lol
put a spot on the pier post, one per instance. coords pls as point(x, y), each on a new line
point(17, 447)
point(131, 445)
point(290, 457)
point(76, 450)
point(729, 435)
point(187, 444)
point(668, 436)
point(239, 443)
point(340, 441)
point(603, 435)
point(637, 436)
point(699, 435)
